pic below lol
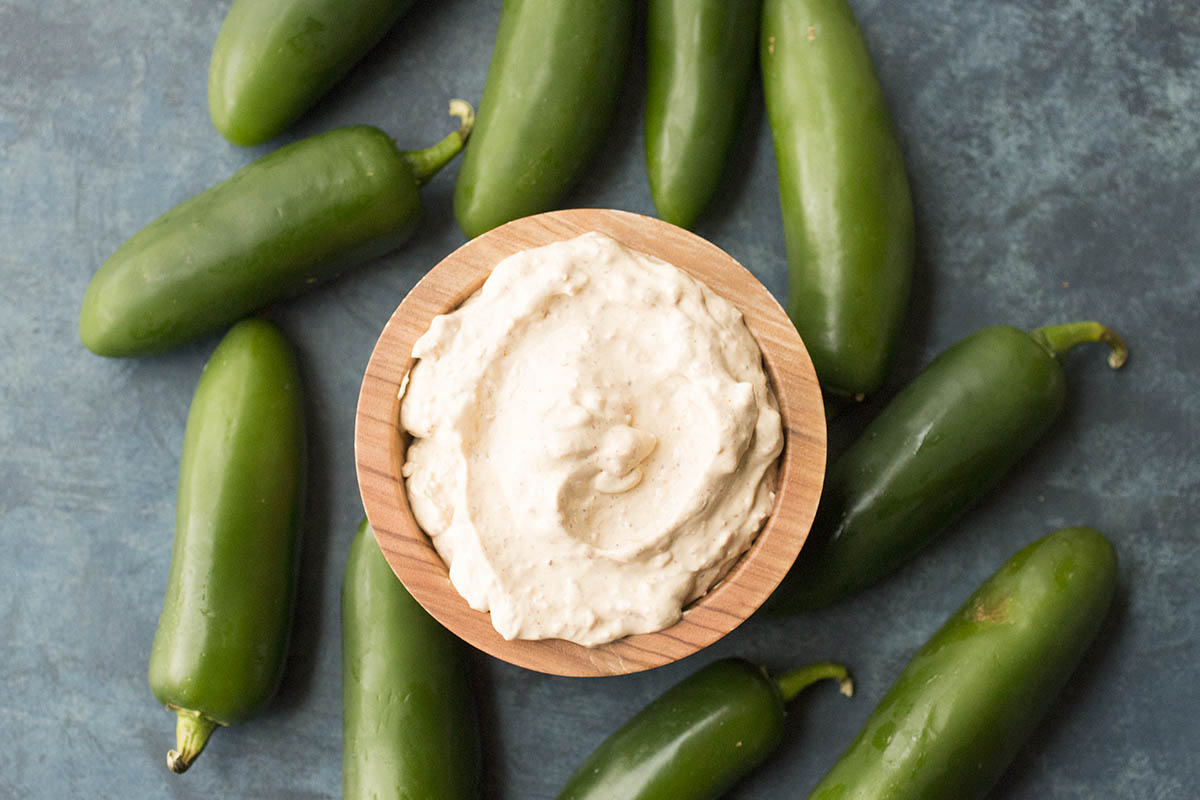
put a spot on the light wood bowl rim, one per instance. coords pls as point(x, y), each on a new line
point(379, 445)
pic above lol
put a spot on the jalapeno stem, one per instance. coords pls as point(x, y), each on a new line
point(425, 163)
point(192, 730)
point(794, 681)
point(1061, 338)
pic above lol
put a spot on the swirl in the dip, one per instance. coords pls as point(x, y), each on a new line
point(595, 441)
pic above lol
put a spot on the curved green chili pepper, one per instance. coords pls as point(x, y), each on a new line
point(700, 737)
point(274, 58)
point(936, 448)
point(700, 56)
point(847, 213)
point(408, 722)
point(551, 89)
point(219, 649)
point(957, 714)
point(277, 227)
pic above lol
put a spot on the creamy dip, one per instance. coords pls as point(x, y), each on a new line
point(595, 441)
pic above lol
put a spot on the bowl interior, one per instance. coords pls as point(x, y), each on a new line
point(380, 444)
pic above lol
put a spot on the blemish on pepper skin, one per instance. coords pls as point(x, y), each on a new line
point(996, 611)
point(812, 33)
point(771, 44)
point(883, 736)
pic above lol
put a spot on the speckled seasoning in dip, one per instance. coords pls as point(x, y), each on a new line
point(595, 441)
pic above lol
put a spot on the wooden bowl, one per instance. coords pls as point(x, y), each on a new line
point(379, 445)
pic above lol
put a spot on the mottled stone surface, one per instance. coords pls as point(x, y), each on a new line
point(1053, 148)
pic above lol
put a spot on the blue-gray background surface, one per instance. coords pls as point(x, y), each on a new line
point(1053, 150)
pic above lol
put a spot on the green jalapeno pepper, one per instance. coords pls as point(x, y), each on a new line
point(551, 89)
point(847, 213)
point(219, 649)
point(699, 738)
point(700, 56)
point(936, 448)
point(408, 722)
point(274, 58)
point(277, 227)
point(958, 713)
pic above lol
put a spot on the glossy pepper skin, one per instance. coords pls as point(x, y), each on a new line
point(936, 448)
point(551, 89)
point(700, 59)
point(699, 738)
point(959, 711)
point(847, 212)
point(274, 58)
point(408, 721)
point(277, 227)
point(219, 649)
